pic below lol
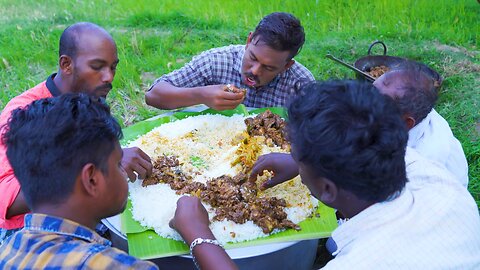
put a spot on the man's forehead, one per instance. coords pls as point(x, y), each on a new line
point(97, 47)
point(267, 54)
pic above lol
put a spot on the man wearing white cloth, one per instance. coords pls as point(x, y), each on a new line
point(405, 211)
point(347, 143)
point(415, 94)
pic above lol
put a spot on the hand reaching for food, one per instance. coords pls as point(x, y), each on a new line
point(282, 165)
point(191, 218)
point(136, 163)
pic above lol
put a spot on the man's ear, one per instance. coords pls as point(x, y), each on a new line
point(66, 64)
point(91, 179)
point(249, 38)
point(289, 64)
point(329, 192)
point(409, 120)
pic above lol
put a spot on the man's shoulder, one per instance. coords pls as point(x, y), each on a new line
point(297, 70)
point(294, 78)
point(29, 248)
point(115, 258)
point(420, 168)
point(37, 92)
point(430, 179)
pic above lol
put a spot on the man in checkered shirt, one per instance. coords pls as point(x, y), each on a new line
point(264, 67)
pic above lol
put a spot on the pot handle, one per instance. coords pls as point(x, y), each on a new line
point(377, 42)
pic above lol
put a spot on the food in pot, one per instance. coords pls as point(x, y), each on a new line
point(378, 71)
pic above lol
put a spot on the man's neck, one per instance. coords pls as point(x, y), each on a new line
point(61, 84)
point(350, 205)
point(76, 214)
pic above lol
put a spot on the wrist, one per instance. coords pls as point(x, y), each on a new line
point(192, 232)
point(198, 95)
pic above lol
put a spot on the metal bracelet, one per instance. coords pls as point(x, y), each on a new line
point(199, 241)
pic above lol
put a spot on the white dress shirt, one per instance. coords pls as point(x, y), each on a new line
point(433, 224)
point(434, 139)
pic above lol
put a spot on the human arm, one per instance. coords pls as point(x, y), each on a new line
point(282, 165)
point(191, 221)
point(166, 96)
point(135, 160)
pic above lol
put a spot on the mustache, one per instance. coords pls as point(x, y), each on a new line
point(251, 76)
point(107, 86)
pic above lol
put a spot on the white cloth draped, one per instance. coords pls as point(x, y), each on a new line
point(433, 139)
point(433, 224)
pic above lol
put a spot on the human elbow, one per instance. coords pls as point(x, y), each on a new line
point(153, 99)
point(149, 99)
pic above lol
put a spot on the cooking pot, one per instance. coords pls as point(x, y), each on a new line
point(368, 62)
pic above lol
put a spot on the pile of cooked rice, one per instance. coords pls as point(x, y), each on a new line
point(206, 146)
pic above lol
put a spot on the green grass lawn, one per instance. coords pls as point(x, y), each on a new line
point(155, 38)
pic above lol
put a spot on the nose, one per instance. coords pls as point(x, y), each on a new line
point(256, 69)
point(107, 76)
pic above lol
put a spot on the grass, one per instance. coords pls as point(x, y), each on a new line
point(155, 37)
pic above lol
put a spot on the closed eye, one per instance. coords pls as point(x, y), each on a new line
point(96, 67)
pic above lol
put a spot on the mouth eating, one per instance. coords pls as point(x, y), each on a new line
point(250, 80)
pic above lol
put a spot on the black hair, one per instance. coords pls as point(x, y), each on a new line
point(49, 141)
point(349, 133)
point(280, 31)
point(71, 36)
point(420, 90)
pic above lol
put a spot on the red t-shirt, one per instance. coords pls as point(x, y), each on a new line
point(9, 186)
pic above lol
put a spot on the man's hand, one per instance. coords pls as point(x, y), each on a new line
point(215, 97)
point(283, 166)
point(191, 219)
point(135, 160)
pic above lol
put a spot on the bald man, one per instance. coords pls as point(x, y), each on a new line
point(87, 63)
point(429, 134)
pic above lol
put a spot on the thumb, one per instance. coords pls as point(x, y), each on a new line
point(271, 182)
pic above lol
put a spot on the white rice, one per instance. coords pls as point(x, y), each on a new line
point(153, 210)
point(209, 138)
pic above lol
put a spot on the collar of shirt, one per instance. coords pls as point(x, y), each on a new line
point(432, 138)
point(369, 220)
point(52, 87)
point(417, 132)
point(46, 223)
point(238, 68)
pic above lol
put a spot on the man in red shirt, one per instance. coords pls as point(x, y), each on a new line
point(87, 63)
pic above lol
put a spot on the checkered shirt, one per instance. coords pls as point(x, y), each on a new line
point(49, 242)
point(4, 234)
point(223, 66)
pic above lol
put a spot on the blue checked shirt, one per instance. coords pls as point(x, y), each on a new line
point(223, 66)
point(49, 242)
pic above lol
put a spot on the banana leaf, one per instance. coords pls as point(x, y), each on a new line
point(146, 244)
